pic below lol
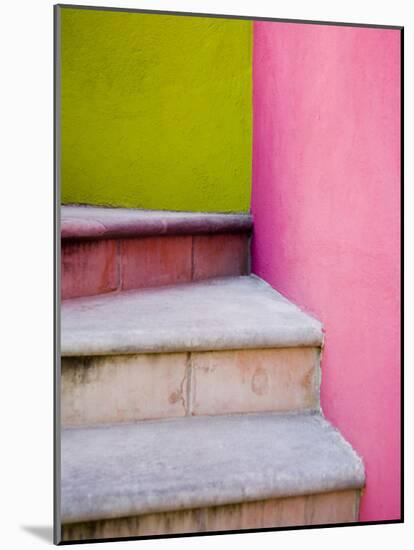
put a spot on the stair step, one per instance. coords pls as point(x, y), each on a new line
point(108, 249)
point(218, 347)
point(127, 470)
point(219, 314)
point(86, 222)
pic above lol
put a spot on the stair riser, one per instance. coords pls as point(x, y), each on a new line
point(319, 509)
point(127, 388)
point(91, 267)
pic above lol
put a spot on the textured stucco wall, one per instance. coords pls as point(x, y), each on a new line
point(156, 111)
point(326, 204)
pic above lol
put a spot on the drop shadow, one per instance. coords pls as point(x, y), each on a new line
point(43, 532)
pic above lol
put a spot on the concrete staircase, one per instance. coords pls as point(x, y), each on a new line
point(189, 388)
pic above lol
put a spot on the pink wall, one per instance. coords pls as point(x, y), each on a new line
point(326, 181)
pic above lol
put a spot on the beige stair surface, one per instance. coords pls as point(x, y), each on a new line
point(219, 314)
point(153, 467)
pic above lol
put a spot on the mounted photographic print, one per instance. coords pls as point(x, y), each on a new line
point(228, 274)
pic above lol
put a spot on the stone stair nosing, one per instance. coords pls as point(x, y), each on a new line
point(219, 314)
point(93, 222)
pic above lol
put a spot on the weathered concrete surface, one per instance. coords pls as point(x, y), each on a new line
point(88, 268)
point(127, 388)
point(85, 222)
point(259, 380)
point(317, 509)
point(156, 466)
point(227, 313)
point(97, 390)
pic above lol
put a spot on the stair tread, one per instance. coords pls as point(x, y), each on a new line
point(86, 222)
point(157, 466)
point(227, 313)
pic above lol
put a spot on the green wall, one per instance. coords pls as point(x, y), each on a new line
point(155, 111)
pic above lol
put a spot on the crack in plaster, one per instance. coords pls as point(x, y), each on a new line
point(189, 370)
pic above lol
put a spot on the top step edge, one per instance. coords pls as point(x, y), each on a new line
point(93, 222)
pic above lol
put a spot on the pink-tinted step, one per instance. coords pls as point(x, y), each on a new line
point(174, 248)
point(95, 222)
point(100, 266)
point(219, 256)
point(155, 261)
point(89, 267)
